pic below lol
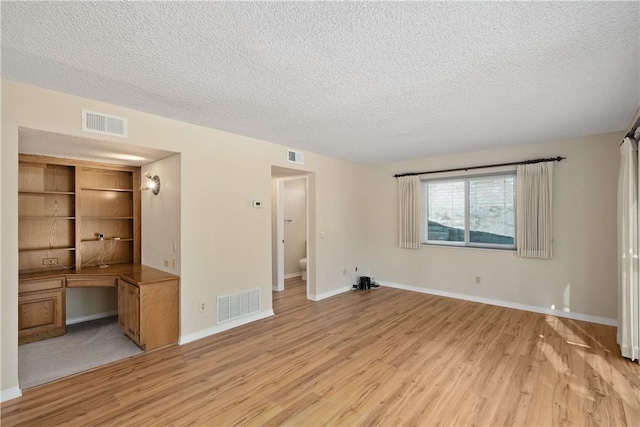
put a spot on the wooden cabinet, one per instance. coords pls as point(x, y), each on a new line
point(108, 204)
point(65, 205)
point(41, 310)
point(148, 310)
point(129, 309)
point(46, 216)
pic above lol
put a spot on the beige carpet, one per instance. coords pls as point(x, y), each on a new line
point(85, 346)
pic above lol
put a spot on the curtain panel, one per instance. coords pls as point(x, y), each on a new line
point(534, 226)
point(628, 278)
point(409, 223)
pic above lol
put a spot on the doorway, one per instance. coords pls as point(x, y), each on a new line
point(291, 230)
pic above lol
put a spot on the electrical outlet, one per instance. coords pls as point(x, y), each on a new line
point(166, 263)
point(202, 307)
point(49, 261)
point(356, 269)
point(173, 263)
point(100, 236)
point(477, 280)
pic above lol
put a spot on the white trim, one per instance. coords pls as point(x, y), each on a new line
point(329, 294)
point(508, 304)
point(95, 316)
point(292, 275)
point(11, 393)
point(184, 339)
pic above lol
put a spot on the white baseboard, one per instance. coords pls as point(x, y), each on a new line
point(508, 304)
point(95, 316)
point(224, 327)
point(10, 393)
point(292, 275)
point(329, 294)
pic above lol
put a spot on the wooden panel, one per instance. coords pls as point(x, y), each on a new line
point(46, 234)
point(40, 285)
point(99, 178)
point(91, 281)
point(159, 314)
point(33, 261)
point(45, 177)
point(46, 205)
point(106, 204)
point(41, 315)
point(91, 252)
point(90, 228)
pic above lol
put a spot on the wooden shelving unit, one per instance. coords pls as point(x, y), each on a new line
point(63, 205)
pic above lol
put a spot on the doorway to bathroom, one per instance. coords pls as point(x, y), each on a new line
point(290, 228)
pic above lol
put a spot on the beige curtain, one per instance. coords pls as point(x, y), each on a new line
point(628, 249)
point(409, 211)
point(534, 227)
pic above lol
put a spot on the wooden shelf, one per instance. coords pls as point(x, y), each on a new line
point(64, 204)
point(46, 217)
point(86, 218)
point(47, 249)
point(65, 193)
point(124, 190)
point(106, 239)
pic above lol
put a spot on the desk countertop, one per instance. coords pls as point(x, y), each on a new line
point(134, 273)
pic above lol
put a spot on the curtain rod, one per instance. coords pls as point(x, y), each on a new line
point(633, 126)
point(524, 162)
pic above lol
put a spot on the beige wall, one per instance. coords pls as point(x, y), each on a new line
point(582, 275)
point(161, 217)
point(225, 244)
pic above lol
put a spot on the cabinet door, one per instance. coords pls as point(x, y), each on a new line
point(41, 315)
point(129, 309)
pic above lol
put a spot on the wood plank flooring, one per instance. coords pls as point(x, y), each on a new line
point(363, 358)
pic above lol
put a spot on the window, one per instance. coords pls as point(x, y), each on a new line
point(472, 211)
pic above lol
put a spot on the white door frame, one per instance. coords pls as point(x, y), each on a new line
point(280, 229)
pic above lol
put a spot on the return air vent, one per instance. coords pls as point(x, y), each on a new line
point(233, 306)
point(295, 157)
point(104, 123)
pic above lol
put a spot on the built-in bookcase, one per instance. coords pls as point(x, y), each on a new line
point(65, 205)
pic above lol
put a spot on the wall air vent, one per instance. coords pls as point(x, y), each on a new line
point(295, 157)
point(233, 306)
point(104, 123)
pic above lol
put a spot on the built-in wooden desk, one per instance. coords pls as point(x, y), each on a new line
point(148, 302)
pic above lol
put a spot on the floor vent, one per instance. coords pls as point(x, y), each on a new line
point(233, 306)
point(104, 123)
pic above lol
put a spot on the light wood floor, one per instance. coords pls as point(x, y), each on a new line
point(377, 357)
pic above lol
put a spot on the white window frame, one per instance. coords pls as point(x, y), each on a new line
point(466, 243)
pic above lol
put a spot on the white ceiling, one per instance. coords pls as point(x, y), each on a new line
point(372, 82)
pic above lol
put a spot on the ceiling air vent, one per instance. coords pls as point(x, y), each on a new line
point(295, 157)
point(104, 123)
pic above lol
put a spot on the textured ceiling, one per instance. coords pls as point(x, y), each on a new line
point(372, 82)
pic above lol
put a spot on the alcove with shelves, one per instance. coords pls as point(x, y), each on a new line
point(65, 205)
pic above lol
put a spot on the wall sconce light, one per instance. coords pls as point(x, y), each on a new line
point(151, 183)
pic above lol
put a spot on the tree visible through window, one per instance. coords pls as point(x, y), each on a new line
point(475, 211)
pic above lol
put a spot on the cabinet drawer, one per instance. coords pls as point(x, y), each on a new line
point(88, 282)
point(40, 285)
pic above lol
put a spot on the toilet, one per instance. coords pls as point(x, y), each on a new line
point(303, 267)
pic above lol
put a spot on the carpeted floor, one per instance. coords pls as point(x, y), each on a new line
point(85, 346)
